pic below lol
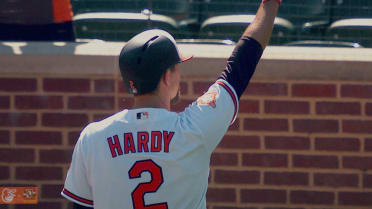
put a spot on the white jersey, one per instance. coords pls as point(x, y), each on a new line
point(150, 157)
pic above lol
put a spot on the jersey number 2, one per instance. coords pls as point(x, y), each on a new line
point(149, 187)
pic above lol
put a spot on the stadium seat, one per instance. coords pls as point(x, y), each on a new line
point(115, 26)
point(305, 11)
point(210, 8)
point(205, 41)
point(320, 43)
point(231, 27)
point(310, 17)
point(355, 30)
point(176, 9)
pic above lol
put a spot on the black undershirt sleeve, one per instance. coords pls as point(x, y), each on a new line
point(242, 64)
point(77, 206)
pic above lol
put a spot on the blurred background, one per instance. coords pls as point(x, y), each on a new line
point(337, 23)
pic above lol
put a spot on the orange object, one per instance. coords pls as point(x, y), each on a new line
point(62, 11)
point(18, 195)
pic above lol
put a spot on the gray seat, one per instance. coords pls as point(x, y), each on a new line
point(210, 8)
point(172, 8)
point(116, 26)
point(355, 30)
point(320, 43)
point(205, 41)
point(231, 27)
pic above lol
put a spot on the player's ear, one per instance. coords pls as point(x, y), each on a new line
point(166, 78)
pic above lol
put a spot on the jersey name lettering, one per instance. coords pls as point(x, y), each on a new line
point(156, 141)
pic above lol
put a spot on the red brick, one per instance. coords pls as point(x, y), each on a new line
point(66, 85)
point(39, 173)
point(221, 195)
point(64, 119)
point(337, 144)
point(235, 125)
point(249, 106)
point(4, 102)
point(240, 142)
point(126, 102)
point(357, 126)
point(265, 160)
point(236, 177)
point(287, 142)
point(39, 102)
point(184, 88)
point(17, 155)
point(263, 196)
point(256, 124)
point(314, 90)
point(121, 87)
point(38, 137)
point(18, 119)
point(362, 163)
point(73, 137)
point(338, 108)
point(41, 205)
point(355, 198)
point(286, 107)
point(286, 178)
point(229, 207)
point(356, 91)
point(104, 85)
point(51, 191)
point(4, 172)
point(312, 197)
point(224, 159)
point(91, 103)
point(368, 145)
point(181, 105)
point(4, 137)
point(369, 109)
point(18, 84)
point(55, 156)
point(367, 181)
point(283, 208)
point(315, 161)
point(336, 180)
point(99, 117)
point(267, 89)
point(200, 87)
point(315, 126)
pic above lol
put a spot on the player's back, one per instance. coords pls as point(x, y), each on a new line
point(150, 156)
point(146, 156)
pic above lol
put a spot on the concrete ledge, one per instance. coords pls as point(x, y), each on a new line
point(99, 57)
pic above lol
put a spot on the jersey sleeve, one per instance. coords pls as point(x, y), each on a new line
point(212, 113)
point(77, 187)
point(242, 63)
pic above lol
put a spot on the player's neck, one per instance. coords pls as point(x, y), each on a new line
point(151, 101)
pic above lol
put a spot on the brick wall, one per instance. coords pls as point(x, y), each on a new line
point(295, 144)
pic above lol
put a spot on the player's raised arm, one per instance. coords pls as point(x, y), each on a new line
point(248, 51)
point(262, 26)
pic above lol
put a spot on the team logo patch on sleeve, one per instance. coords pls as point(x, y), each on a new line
point(142, 116)
point(208, 98)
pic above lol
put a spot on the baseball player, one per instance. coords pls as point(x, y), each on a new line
point(148, 157)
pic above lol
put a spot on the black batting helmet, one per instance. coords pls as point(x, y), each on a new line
point(145, 58)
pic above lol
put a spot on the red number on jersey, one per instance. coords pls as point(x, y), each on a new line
point(148, 187)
